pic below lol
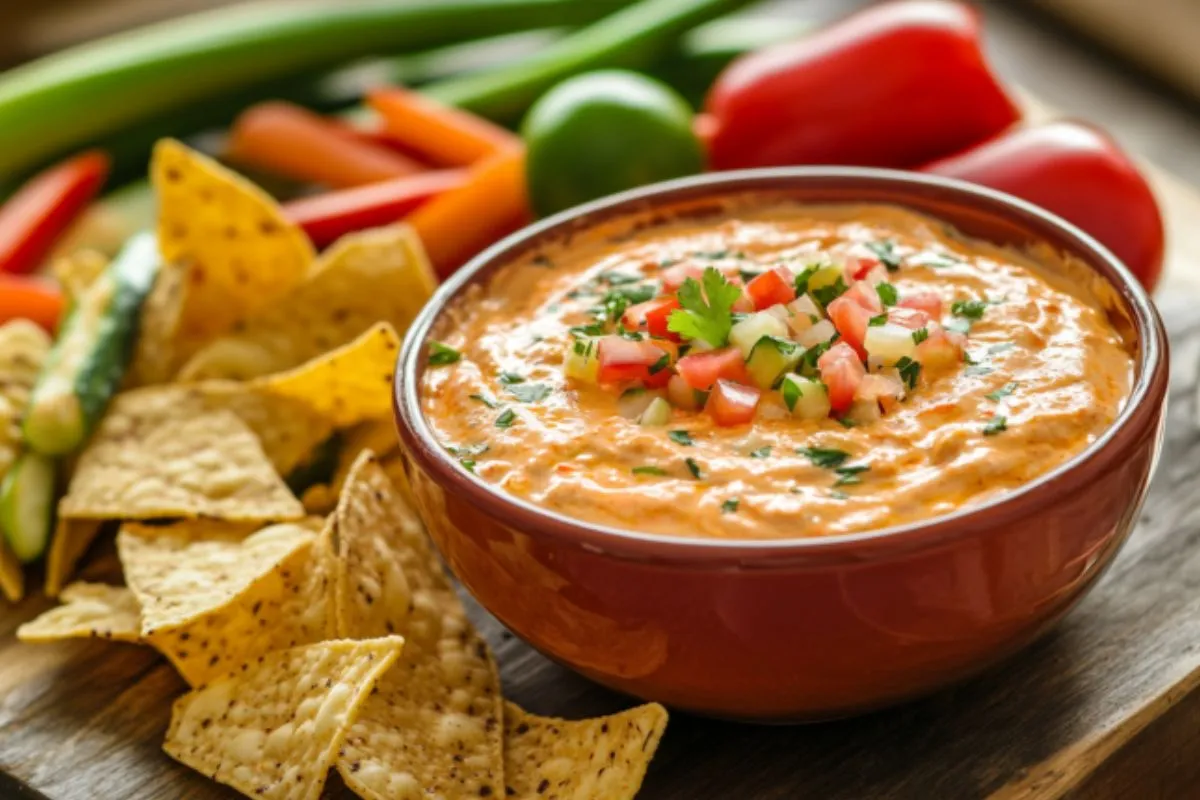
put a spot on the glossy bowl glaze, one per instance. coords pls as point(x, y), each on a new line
point(802, 628)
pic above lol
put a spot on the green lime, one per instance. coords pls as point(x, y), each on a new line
point(605, 132)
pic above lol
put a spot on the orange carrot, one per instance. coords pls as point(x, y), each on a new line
point(460, 223)
point(293, 141)
point(442, 135)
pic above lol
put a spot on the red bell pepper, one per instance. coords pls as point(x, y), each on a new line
point(895, 85)
point(326, 217)
point(28, 297)
point(1080, 174)
point(32, 220)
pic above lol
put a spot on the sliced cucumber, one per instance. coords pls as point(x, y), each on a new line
point(746, 334)
point(771, 358)
point(89, 359)
point(582, 361)
point(804, 397)
point(27, 504)
point(657, 413)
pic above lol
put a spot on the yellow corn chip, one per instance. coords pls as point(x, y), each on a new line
point(141, 464)
point(12, 577)
point(273, 730)
point(347, 386)
point(379, 437)
point(213, 598)
point(89, 611)
point(240, 252)
point(72, 537)
point(432, 728)
point(23, 348)
point(155, 357)
point(556, 759)
point(379, 275)
point(77, 271)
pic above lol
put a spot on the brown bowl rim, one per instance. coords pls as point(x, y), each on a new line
point(1140, 411)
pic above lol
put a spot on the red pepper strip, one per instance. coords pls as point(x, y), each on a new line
point(1079, 173)
point(41, 210)
point(28, 297)
point(326, 217)
point(895, 85)
point(292, 141)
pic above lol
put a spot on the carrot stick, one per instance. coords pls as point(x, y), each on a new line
point(27, 297)
point(326, 217)
point(441, 135)
point(491, 204)
point(293, 141)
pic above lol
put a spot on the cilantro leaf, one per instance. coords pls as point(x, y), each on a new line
point(506, 419)
point(442, 354)
point(761, 452)
point(910, 371)
point(878, 321)
point(487, 401)
point(885, 251)
point(509, 378)
point(680, 437)
point(1003, 392)
point(824, 457)
point(658, 471)
point(730, 506)
point(996, 424)
point(848, 476)
point(529, 392)
point(802, 279)
point(830, 292)
point(887, 293)
point(706, 312)
point(969, 309)
point(920, 335)
point(693, 468)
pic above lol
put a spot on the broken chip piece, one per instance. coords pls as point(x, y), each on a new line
point(89, 610)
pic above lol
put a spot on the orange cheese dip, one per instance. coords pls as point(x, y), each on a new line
point(1040, 374)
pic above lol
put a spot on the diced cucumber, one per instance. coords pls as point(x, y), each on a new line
point(657, 413)
point(827, 275)
point(746, 334)
point(889, 343)
point(89, 359)
point(770, 358)
point(27, 504)
point(633, 402)
point(804, 397)
point(819, 333)
point(582, 362)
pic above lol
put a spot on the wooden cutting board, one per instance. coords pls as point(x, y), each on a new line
point(1102, 707)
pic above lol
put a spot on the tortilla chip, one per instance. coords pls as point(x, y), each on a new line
point(556, 759)
point(349, 385)
point(143, 464)
point(214, 598)
point(89, 611)
point(155, 357)
point(23, 349)
point(72, 537)
point(240, 252)
point(379, 437)
point(379, 275)
point(274, 729)
point(12, 577)
point(432, 728)
point(79, 270)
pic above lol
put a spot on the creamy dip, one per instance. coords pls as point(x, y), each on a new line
point(1044, 373)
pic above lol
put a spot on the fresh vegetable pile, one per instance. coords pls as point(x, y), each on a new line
point(615, 95)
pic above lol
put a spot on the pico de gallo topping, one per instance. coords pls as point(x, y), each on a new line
point(818, 338)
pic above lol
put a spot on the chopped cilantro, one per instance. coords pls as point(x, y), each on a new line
point(595, 329)
point(487, 401)
point(808, 361)
point(920, 335)
point(649, 471)
point(509, 378)
point(848, 476)
point(885, 251)
point(910, 371)
point(827, 294)
point(975, 370)
point(730, 506)
point(680, 437)
point(791, 393)
point(506, 419)
point(625, 333)
point(543, 260)
point(995, 425)
point(530, 392)
point(584, 347)
point(660, 365)
point(878, 321)
point(969, 309)
point(706, 311)
point(761, 452)
point(1001, 393)
point(619, 278)
point(614, 303)
point(442, 354)
point(824, 457)
point(846, 422)
point(887, 293)
point(693, 468)
point(802, 279)
point(468, 450)
point(468, 464)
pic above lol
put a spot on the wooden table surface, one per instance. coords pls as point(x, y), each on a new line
point(1102, 707)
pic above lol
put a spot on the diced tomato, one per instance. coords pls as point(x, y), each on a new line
point(857, 267)
point(624, 360)
point(702, 370)
point(673, 277)
point(732, 403)
point(652, 316)
point(841, 372)
point(928, 302)
point(942, 349)
point(771, 288)
point(911, 318)
point(851, 321)
point(865, 295)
